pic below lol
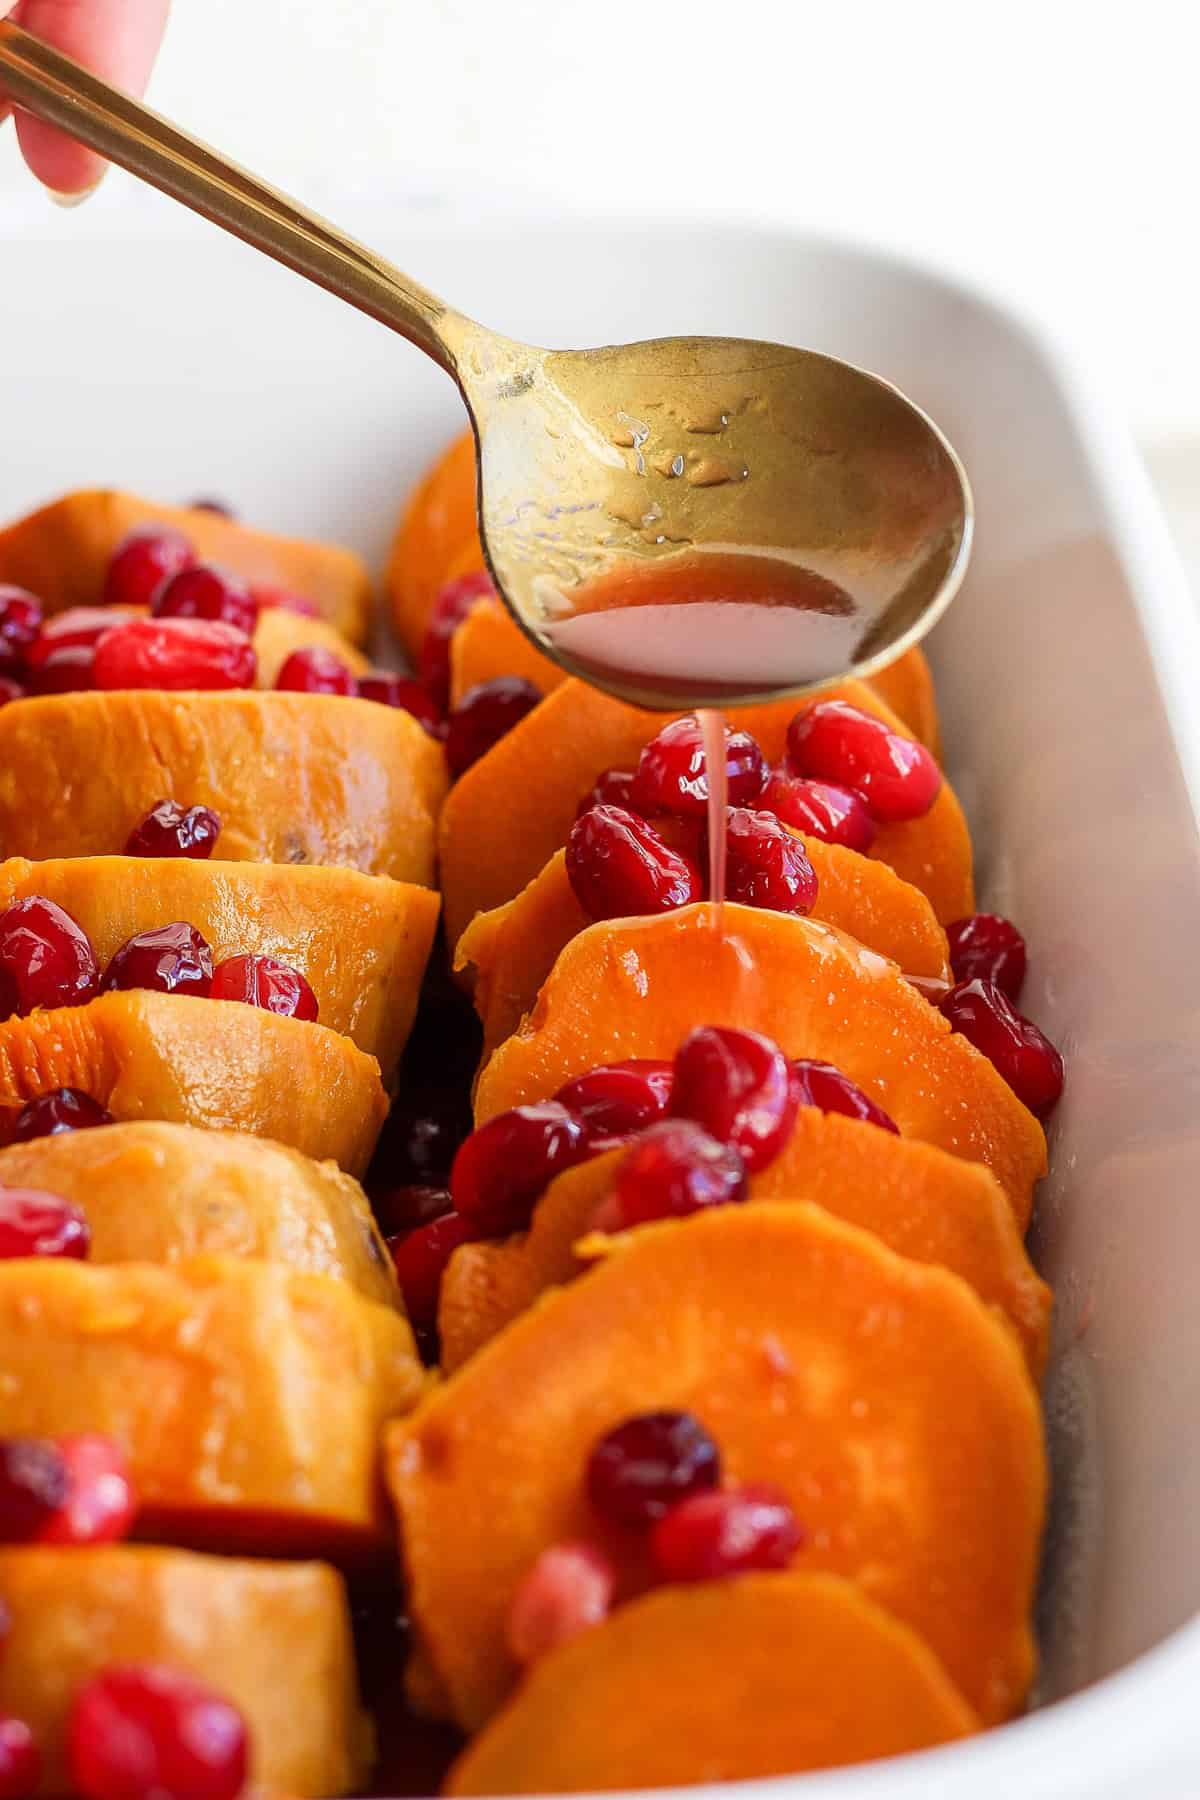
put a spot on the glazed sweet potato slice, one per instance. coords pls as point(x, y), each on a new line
point(212, 1063)
point(279, 632)
point(294, 778)
point(812, 1676)
point(63, 550)
point(509, 952)
point(636, 987)
point(437, 528)
point(263, 1634)
point(361, 941)
point(159, 1193)
point(880, 1394)
point(917, 1200)
point(247, 1396)
point(511, 811)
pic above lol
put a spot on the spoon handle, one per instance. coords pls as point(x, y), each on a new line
point(44, 82)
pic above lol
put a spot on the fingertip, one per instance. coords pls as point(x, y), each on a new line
point(60, 164)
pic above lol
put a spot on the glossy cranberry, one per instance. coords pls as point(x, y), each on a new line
point(401, 692)
point(643, 1467)
point(69, 669)
point(148, 1732)
point(315, 670)
point(177, 655)
point(484, 715)
point(63, 1109)
point(568, 1590)
point(732, 1532)
point(737, 1085)
point(20, 625)
point(673, 1169)
point(33, 1223)
point(507, 1161)
point(1028, 1061)
point(282, 600)
point(266, 982)
point(765, 865)
point(454, 601)
point(46, 959)
point(79, 626)
point(426, 1125)
point(20, 1760)
point(142, 562)
point(834, 741)
point(207, 593)
point(819, 1084)
point(671, 775)
point(173, 830)
point(34, 1484)
point(615, 787)
point(400, 1210)
point(100, 1505)
point(420, 1258)
point(620, 867)
point(988, 948)
point(834, 814)
point(619, 1098)
point(171, 959)
point(10, 690)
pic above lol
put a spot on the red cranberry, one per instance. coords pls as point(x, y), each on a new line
point(454, 601)
point(834, 741)
point(620, 867)
point(37, 1224)
point(619, 1098)
point(484, 715)
point(731, 1532)
point(642, 1468)
point(615, 787)
point(420, 1257)
point(820, 810)
point(171, 959)
point(46, 959)
point(100, 1504)
point(148, 1732)
point(69, 670)
point(675, 1168)
point(737, 1085)
point(506, 1163)
point(819, 1084)
point(63, 1109)
point(20, 624)
point(10, 690)
point(207, 593)
point(403, 1209)
point(78, 627)
point(988, 948)
point(178, 655)
point(266, 982)
point(279, 598)
point(20, 1760)
point(671, 775)
point(401, 692)
point(34, 1484)
point(142, 562)
point(568, 1590)
point(1028, 1061)
point(765, 865)
point(424, 1129)
point(315, 670)
point(173, 830)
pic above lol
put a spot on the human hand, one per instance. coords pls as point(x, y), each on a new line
point(119, 40)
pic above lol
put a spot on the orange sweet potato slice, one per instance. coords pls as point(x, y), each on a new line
point(247, 1396)
point(811, 1676)
point(361, 941)
point(906, 686)
point(157, 1193)
point(437, 527)
point(211, 1063)
point(62, 553)
point(636, 987)
point(511, 811)
point(294, 778)
point(261, 1633)
point(279, 632)
point(880, 1394)
point(490, 643)
point(510, 951)
point(918, 1200)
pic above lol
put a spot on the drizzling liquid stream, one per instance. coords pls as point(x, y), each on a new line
point(712, 730)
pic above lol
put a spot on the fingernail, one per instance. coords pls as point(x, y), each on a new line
point(69, 200)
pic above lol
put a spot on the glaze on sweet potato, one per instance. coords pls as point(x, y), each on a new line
point(437, 527)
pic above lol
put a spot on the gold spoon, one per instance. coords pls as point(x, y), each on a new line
point(688, 521)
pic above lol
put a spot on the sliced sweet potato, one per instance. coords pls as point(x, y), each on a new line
point(509, 952)
point(489, 643)
point(247, 1396)
point(361, 941)
point(213, 1063)
point(918, 1200)
point(437, 527)
point(279, 632)
point(880, 1394)
point(266, 1635)
point(718, 1681)
point(636, 987)
point(294, 778)
point(62, 553)
point(511, 811)
point(157, 1193)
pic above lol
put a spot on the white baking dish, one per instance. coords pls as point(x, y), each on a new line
point(154, 354)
